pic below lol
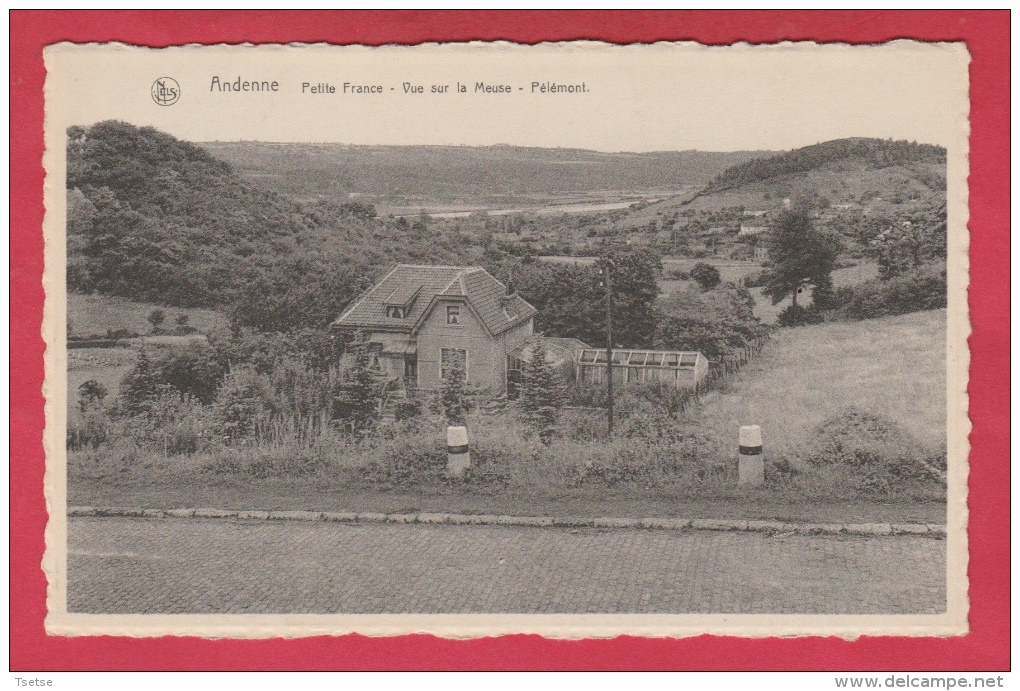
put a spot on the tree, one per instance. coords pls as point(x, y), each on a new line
point(634, 276)
point(156, 318)
point(454, 396)
point(706, 276)
point(801, 256)
point(91, 394)
point(140, 386)
point(714, 323)
point(193, 369)
point(541, 392)
point(360, 399)
point(242, 401)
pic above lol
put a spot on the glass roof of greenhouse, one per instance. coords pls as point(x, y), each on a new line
point(641, 358)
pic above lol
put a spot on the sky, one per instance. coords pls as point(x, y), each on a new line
point(635, 98)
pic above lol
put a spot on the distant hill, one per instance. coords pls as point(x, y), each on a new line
point(841, 153)
point(875, 174)
point(446, 173)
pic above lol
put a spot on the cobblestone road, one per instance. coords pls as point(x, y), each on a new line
point(129, 565)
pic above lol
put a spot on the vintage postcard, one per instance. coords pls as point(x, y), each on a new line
point(574, 339)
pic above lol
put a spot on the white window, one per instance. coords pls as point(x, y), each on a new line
point(449, 356)
point(395, 312)
point(453, 314)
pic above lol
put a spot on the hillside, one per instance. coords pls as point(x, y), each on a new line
point(494, 174)
point(155, 219)
point(870, 175)
point(893, 367)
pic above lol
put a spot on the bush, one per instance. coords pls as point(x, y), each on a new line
point(173, 423)
point(406, 459)
point(156, 318)
point(866, 453)
point(140, 386)
point(713, 323)
point(243, 400)
point(921, 289)
point(193, 370)
point(681, 463)
point(706, 276)
point(92, 428)
point(359, 396)
point(796, 315)
point(454, 397)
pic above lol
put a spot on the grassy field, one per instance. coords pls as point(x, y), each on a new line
point(94, 315)
point(893, 366)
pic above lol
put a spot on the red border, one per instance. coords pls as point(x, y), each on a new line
point(985, 648)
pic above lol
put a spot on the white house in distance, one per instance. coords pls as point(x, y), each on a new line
point(753, 226)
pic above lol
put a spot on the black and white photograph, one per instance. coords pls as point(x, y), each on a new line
point(571, 339)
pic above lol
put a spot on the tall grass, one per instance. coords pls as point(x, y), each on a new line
point(847, 410)
point(894, 367)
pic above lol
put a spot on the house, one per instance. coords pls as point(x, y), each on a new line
point(752, 228)
point(419, 320)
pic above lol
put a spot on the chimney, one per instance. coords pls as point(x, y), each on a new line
point(508, 298)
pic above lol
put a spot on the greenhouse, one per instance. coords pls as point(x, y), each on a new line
point(681, 369)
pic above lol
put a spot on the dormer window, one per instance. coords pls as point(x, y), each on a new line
point(453, 315)
point(395, 312)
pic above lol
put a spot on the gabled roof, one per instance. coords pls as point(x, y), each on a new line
point(421, 286)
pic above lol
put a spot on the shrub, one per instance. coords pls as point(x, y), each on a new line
point(706, 276)
point(156, 318)
point(140, 386)
point(713, 323)
point(172, 423)
point(407, 409)
point(796, 315)
point(359, 397)
point(404, 459)
point(192, 369)
point(921, 289)
point(93, 425)
point(869, 454)
point(453, 396)
point(243, 399)
point(90, 394)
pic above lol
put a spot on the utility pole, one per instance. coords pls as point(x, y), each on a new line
point(606, 271)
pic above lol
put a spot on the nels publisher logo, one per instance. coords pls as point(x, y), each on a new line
point(165, 91)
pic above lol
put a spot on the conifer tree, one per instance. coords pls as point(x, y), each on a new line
point(454, 396)
point(361, 395)
point(541, 392)
point(140, 386)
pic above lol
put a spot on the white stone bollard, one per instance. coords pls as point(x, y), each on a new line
point(458, 457)
point(751, 467)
